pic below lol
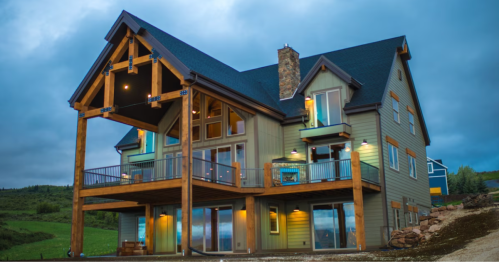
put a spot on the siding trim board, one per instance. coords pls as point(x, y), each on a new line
point(392, 141)
point(395, 96)
point(396, 205)
point(410, 152)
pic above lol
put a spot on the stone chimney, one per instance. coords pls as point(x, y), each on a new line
point(289, 71)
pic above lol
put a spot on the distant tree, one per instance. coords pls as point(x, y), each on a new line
point(480, 185)
point(36, 188)
point(116, 217)
point(109, 218)
point(48, 189)
point(452, 183)
point(100, 215)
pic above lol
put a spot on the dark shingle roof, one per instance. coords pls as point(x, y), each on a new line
point(131, 138)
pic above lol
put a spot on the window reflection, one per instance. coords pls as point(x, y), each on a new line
point(334, 226)
point(213, 107)
point(235, 124)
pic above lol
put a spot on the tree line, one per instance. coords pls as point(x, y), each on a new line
point(466, 181)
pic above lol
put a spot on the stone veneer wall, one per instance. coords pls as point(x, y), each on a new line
point(289, 72)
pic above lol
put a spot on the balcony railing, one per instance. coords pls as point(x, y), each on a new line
point(213, 172)
point(335, 170)
point(252, 177)
point(369, 173)
point(293, 174)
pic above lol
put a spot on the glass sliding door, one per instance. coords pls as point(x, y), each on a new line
point(333, 226)
point(211, 229)
point(327, 108)
point(327, 168)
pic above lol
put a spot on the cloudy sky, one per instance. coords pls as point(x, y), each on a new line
point(48, 46)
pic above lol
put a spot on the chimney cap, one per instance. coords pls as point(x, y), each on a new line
point(286, 45)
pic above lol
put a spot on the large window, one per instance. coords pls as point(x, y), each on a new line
point(430, 168)
point(235, 124)
point(395, 105)
point(196, 106)
point(196, 133)
point(412, 166)
point(327, 108)
point(393, 153)
point(411, 124)
point(274, 219)
point(173, 135)
point(147, 141)
point(333, 226)
point(141, 229)
point(213, 107)
point(240, 157)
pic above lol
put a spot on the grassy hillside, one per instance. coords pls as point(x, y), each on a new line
point(96, 241)
point(492, 175)
point(43, 213)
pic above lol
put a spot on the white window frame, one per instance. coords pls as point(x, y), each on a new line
point(393, 151)
point(396, 218)
point(432, 170)
point(396, 110)
point(170, 128)
point(416, 218)
point(412, 128)
point(228, 123)
point(277, 219)
point(410, 217)
point(410, 159)
point(327, 106)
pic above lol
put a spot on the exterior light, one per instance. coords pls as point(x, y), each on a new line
point(149, 95)
point(126, 86)
point(364, 143)
point(162, 214)
point(193, 111)
point(313, 148)
point(347, 149)
point(297, 208)
point(308, 98)
point(244, 208)
point(294, 151)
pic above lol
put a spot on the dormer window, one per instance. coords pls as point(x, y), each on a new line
point(327, 108)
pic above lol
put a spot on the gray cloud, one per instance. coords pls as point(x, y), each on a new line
point(49, 46)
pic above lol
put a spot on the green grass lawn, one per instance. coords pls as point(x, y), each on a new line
point(454, 203)
point(491, 175)
point(96, 241)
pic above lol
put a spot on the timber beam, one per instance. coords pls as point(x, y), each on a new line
point(133, 52)
point(132, 122)
point(138, 61)
point(96, 112)
point(345, 135)
point(167, 96)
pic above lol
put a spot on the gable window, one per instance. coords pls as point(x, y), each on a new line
point(393, 152)
point(327, 108)
point(214, 130)
point(196, 106)
point(395, 105)
point(411, 123)
point(173, 135)
point(235, 123)
point(213, 107)
point(274, 219)
point(412, 166)
point(430, 168)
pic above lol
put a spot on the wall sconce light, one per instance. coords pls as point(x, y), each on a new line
point(297, 208)
point(347, 149)
point(308, 98)
point(149, 95)
point(126, 86)
point(193, 111)
point(294, 151)
point(162, 214)
point(244, 208)
point(364, 143)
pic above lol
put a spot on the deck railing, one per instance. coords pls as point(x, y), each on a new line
point(369, 173)
point(213, 172)
point(252, 177)
point(292, 174)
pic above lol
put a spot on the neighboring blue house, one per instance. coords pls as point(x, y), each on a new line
point(438, 177)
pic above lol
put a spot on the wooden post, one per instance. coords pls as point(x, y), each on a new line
point(157, 82)
point(150, 228)
point(237, 166)
point(250, 225)
point(133, 52)
point(186, 171)
point(267, 175)
point(108, 92)
point(358, 202)
point(77, 222)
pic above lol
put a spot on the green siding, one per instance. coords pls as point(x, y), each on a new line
point(164, 230)
point(128, 226)
point(292, 141)
point(126, 153)
point(298, 224)
point(269, 139)
point(272, 241)
point(398, 183)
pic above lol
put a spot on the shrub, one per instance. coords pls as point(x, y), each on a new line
point(45, 207)
point(109, 218)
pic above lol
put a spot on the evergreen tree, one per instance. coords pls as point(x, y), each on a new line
point(48, 189)
point(480, 185)
point(461, 182)
point(470, 186)
point(452, 183)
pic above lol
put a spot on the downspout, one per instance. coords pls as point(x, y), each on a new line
point(117, 150)
point(384, 173)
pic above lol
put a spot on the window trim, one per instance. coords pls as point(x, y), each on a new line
point(228, 122)
point(170, 128)
point(432, 170)
point(277, 220)
point(327, 105)
point(398, 110)
point(398, 161)
point(413, 131)
point(409, 158)
point(206, 108)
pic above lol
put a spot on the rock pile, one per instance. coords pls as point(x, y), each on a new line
point(477, 201)
point(428, 226)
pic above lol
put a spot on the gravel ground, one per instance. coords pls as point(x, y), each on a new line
point(481, 249)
